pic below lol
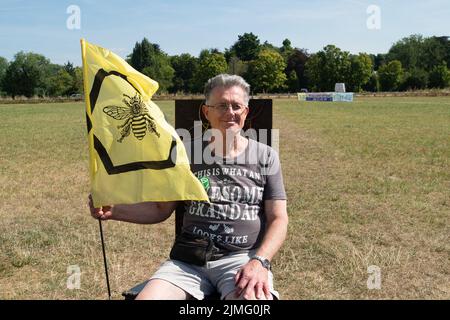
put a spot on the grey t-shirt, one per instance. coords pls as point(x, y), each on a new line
point(234, 219)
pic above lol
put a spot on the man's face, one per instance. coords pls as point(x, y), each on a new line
point(227, 109)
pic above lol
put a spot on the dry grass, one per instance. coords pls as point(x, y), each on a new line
point(368, 184)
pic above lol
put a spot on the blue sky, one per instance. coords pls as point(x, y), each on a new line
point(190, 26)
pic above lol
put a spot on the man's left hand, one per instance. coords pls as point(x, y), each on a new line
point(252, 281)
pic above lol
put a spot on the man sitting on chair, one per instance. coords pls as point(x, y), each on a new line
point(227, 244)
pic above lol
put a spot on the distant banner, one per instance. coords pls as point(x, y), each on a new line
point(325, 96)
point(343, 96)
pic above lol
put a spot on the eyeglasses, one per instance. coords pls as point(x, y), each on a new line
point(223, 107)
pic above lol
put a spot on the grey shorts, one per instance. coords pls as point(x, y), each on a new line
point(203, 281)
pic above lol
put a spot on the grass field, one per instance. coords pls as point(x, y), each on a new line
point(368, 184)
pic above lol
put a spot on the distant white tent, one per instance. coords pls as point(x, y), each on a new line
point(339, 87)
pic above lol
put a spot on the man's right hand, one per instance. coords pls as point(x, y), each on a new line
point(102, 213)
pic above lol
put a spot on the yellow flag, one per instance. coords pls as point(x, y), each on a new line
point(135, 155)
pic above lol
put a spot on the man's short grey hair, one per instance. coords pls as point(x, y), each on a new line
point(227, 81)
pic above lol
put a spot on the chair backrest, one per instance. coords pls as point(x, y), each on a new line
point(189, 111)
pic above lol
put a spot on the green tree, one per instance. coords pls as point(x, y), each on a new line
point(60, 84)
point(77, 86)
point(76, 74)
point(247, 47)
point(210, 64)
point(266, 73)
point(143, 55)
point(296, 62)
point(268, 46)
point(378, 60)
point(162, 72)
point(445, 43)
point(149, 59)
point(286, 49)
point(184, 66)
point(408, 51)
point(3, 67)
point(228, 54)
point(314, 72)
point(69, 68)
point(439, 76)
point(373, 85)
point(434, 51)
point(327, 67)
point(237, 66)
point(390, 75)
point(26, 74)
point(414, 79)
point(50, 72)
point(360, 71)
point(292, 84)
point(416, 52)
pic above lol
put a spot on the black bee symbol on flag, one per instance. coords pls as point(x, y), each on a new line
point(137, 118)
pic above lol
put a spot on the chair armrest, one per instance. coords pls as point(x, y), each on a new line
point(132, 293)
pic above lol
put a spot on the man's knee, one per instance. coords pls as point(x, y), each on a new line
point(158, 289)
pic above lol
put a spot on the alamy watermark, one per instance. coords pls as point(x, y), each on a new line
point(258, 154)
point(374, 280)
point(74, 279)
point(73, 22)
point(373, 22)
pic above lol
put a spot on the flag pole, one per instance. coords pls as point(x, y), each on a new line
point(104, 259)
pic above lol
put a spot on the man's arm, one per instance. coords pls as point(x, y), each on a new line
point(253, 278)
point(276, 230)
point(143, 213)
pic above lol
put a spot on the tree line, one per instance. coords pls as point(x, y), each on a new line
point(31, 74)
point(414, 62)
